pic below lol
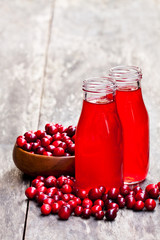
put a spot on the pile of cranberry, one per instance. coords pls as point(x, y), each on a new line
point(56, 140)
point(61, 196)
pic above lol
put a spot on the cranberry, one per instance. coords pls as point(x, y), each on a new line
point(153, 193)
point(60, 202)
point(41, 178)
point(78, 210)
point(64, 212)
point(158, 184)
point(40, 150)
point(86, 213)
point(66, 188)
point(43, 134)
point(72, 197)
point(42, 189)
point(113, 205)
point(56, 197)
point(40, 198)
point(50, 181)
point(50, 138)
point(57, 136)
point(78, 200)
point(67, 154)
point(63, 145)
point(50, 148)
point(113, 193)
point(105, 197)
point(45, 142)
point(87, 203)
point(35, 145)
point(66, 197)
point(151, 186)
point(94, 193)
point(102, 189)
point(30, 137)
point(150, 204)
point(137, 189)
point(69, 182)
point(58, 151)
point(139, 205)
point(39, 184)
point(99, 202)
point(108, 201)
point(99, 215)
point(74, 138)
point(49, 154)
point(96, 208)
point(124, 190)
point(111, 214)
point(47, 126)
point(38, 133)
point(130, 202)
point(51, 191)
point(59, 193)
point(71, 131)
point(132, 193)
point(159, 199)
point(121, 202)
point(30, 192)
point(141, 196)
point(71, 148)
point(55, 207)
point(67, 141)
point(35, 181)
point(45, 209)
point(49, 201)
point(61, 181)
point(21, 141)
point(51, 130)
point(73, 203)
point(81, 193)
point(27, 147)
point(62, 129)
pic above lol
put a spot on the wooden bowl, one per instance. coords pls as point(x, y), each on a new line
point(34, 164)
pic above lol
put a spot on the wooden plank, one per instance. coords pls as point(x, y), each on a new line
point(24, 27)
point(87, 38)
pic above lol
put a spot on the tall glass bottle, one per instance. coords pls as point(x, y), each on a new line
point(98, 153)
point(135, 123)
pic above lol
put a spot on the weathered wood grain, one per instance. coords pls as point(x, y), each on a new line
point(87, 38)
point(24, 32)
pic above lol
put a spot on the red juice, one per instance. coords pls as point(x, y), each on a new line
point(135, 125)
point(98, 153)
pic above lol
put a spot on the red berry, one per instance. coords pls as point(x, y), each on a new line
point(138, 206)
point(35, 145)
point(99, 202)
point(55, 207)
point(105, 197)
point(38, 133)
point(49, 201)
point(30, 137)
point(137, 189)
point(71, 148)
point(86, 213)
point(35, 181)
point(96, 208)
point(74, 138)
point(61, 181)
point(42, 189)
point(124, 190)
point(62, 129)
point(45, 209)
point(99, 215)
point(52, 130)
point(58, 151)
point(66, 197)
point(111, 214)
point(150, 204)
point(40, 198)
point(73, 203)
point(27, 147)
point(30, 192)
point(63, 145)
point(51, 191)
point(130, 202)
point(158, 184)
point(21, 141)
point(87, 203)
point(78, 200)
point(78, 210)
point(39, 184)
point(81, 193)
point(121, 202)
point(151, 186)
point(67, 140)
point(50, 181)
point(45, 142)
point(40, 150)
point(41, 178)
point(60, 202)
point(71, 131)
point(141, 196)
point(47, 126)
point(66, 188)
point(64, 212)
point(57, 136)
point(59, 193)
point(113, 193)
point(102, 189)
point(153, 193)
point(94, 193)
point(69, 182)
point(56, 197)
point(108, 201)
point(50, 148)
point(113, 205)
point(49, 154)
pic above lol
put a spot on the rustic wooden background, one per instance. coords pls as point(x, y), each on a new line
point(47, 48)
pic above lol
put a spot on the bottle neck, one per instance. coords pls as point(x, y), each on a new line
point(127, 78)
point(99, 90)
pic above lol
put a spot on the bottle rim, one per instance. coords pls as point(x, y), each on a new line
point(126, 74)
point(99, 85)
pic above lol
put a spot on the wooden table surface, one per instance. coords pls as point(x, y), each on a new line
point(47, 48)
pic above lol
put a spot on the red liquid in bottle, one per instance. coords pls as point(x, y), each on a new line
point(135, 125)
point(99, 146)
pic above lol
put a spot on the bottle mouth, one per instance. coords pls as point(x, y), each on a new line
point(125, 74)
point(99, 85)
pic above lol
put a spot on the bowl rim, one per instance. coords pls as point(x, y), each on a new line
point(42, 156)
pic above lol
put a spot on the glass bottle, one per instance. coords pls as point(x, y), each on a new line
point(98, 153)
point(135, 122)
